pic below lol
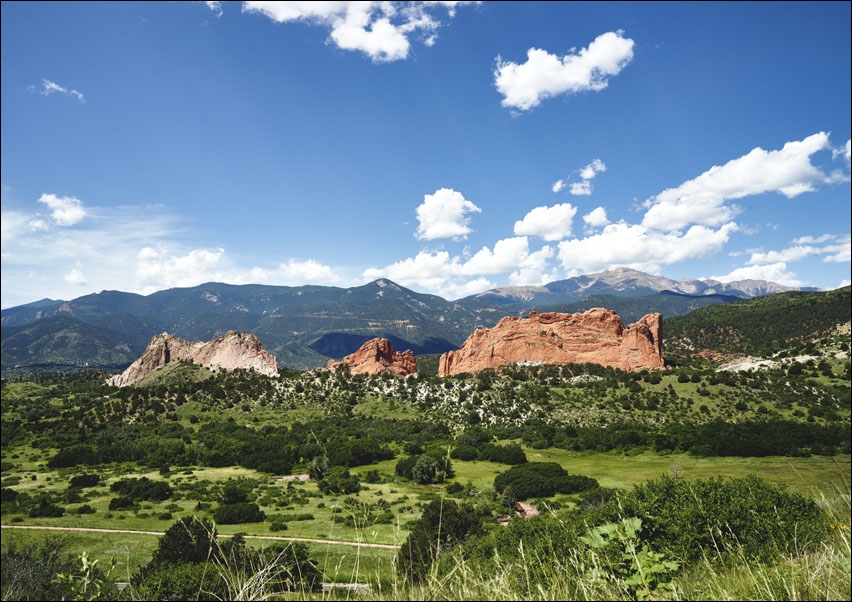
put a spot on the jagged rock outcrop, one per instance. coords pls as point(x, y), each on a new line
point(230, 351)
point(596, 336)
point(377, 356)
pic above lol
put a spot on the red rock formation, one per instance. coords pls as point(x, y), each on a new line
point(377, 356)
point(230, 351)
point(596, 336)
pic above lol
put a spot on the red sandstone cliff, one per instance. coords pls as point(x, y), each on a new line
point(230, 351)
point(377, 356)
point(596, 336)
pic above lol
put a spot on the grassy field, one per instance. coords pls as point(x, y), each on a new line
point(813, 476)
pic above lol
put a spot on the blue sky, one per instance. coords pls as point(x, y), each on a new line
point(450, 147)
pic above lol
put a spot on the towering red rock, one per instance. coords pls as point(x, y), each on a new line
point(596, 336)
point(377, 356)
point(230, 351)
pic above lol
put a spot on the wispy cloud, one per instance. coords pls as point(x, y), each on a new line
point(48, 87)
point(545, 75)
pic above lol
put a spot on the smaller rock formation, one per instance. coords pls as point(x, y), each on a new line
point(377, 356)
point(230, 351)
point(596, 336)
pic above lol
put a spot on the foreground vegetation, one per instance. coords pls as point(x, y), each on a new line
point(233, 486)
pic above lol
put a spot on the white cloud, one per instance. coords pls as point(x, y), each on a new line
point(790, 254)
point(640, 248)
point(839, 253)
point(788, 171)
point(845, 152)
point(298, 272)
point(216, 7)
point(584, 187)
point(549, 223)
point(444, 215)
point(67, 210)
point(596, 218)
point(381, 30)
point(773, 272)
point(508, 254)
point(558, 185)
point(534, 268)
point(158, 269)
point(545, 75)
point(806, 240)
point(75, 276)
point(48, 87)
point(429, 270)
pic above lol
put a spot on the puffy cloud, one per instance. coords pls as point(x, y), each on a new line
point(508, 254)
point(596, 218)
point(216, 7)
point(548, 223)
point(534, 268)
point(545, 75)
point(788, 171)
point(558, 185)
point(157, 269)
point(444, 215)
point(381, 30)
point(75, 276)
point(584, 186)
point(427, 269)
point(640, 248)
point(67, 210)
point(48, 87)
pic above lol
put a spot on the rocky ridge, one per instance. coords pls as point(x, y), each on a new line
point(595, 336)
point(377, 356)
point(231, 351)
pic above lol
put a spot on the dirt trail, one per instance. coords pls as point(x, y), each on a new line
point(263, 537)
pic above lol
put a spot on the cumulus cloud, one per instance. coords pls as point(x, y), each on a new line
point(299, 272)
point(76, 276)
point(67, 210)
point(444, 214)
point(157, 269)
point(427, 269)
point(381, 30)
point(639, 248)
point(584, 186)
point(48, 87)
point(596, 218)
point(549, 223)
point(508, 254)
point(544, 75)
point(558, 185)
point(216, 7)
point(787, 171)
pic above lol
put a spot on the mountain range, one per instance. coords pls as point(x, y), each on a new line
point(305, 326)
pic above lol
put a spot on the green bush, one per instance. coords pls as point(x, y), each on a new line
point(716, 515)
point(540, 479)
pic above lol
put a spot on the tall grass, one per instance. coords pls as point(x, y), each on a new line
point(583, 574)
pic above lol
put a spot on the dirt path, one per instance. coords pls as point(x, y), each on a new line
point(263, 537)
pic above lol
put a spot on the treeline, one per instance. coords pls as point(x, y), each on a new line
point(716, 438)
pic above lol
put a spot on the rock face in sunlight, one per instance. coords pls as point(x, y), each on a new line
point(377, 356)
point(230, 351)
point(596, 336)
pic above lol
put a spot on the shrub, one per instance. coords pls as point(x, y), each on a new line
point(541, 479)
point(235, 514)
point(85, 480)
point(710, 515)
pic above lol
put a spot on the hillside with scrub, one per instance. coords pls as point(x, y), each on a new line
point(698, 481)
